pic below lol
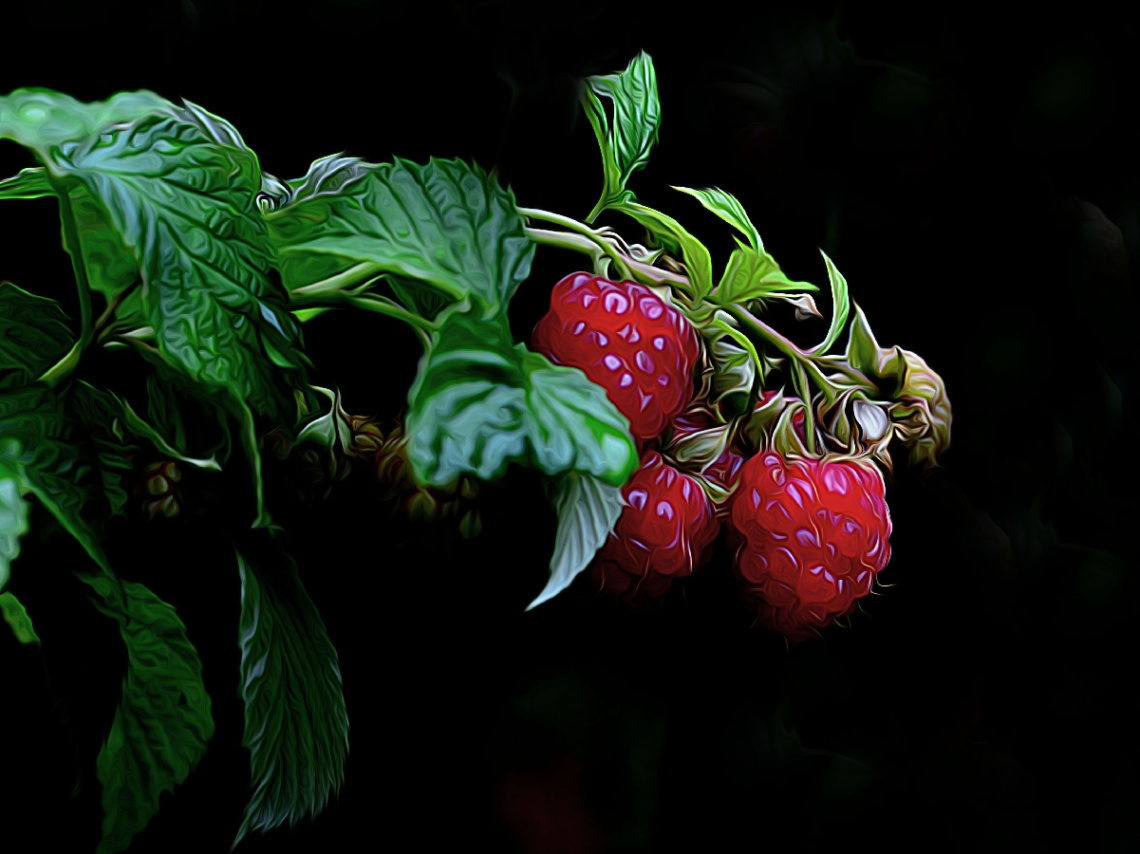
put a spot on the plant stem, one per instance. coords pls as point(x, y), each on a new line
point(797, 355)
point(584, 230)
point(800, 380)
point(332, 284)
point(370, 302)
point(53, 375)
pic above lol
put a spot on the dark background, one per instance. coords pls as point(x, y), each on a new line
point(974, 179)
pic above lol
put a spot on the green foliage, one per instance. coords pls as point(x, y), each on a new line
point(34, 334)
point(753, 274)
point(625, 141)
point(16, 616)
point(725, 206)
point(479, 403)
point(162, 722)
point(587, 511)
point(296, 723)
point(446, 224)
point(13, 518)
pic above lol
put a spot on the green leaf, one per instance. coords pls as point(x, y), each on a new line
point(162, 722)
point(446, 223)
point(13, 517)
point(304, 315)
point(296, 722)
point(676, 239)
point(416, 296)
point(479, 403)
point(48, 122)
point(753, 274)
point(16, 616)
point(626, 142)
point(726, 206)
point(168, 194)
point(587, 511)
point(840, 306)
point(30, 183)
point(34, 335)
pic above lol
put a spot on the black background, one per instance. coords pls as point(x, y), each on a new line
point(973, 178)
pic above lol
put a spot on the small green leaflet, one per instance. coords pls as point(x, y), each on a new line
point(625, 144)
point(34, 334)
point(753, 274)
point(30, 183)
point(587, 512)
point(16, 616)
point(676, 239)
point(479, 403)
point(163, 719)
point(726, 206)
point(13, 514)
point(296, 722)
point(447, 224)
point(841, 306)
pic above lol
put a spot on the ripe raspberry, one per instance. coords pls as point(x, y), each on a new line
point(665, 533)
point(810, 537)
point(627, 340)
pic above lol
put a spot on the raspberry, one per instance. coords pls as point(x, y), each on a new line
point(810, 537)
point(664, 533)
point(627, 340)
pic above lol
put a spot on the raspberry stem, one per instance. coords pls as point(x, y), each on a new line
point(597, 245)
point(798, 356)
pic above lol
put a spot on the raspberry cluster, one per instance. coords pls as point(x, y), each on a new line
point(808, 535)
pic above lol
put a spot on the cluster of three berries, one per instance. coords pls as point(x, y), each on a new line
point(809, 535)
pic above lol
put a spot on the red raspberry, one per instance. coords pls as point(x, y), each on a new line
point(627, 340)
point(665, 533)
point(810, 537)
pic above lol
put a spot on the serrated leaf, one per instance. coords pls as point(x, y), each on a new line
point(163, 720)
point(296, 722)
point(754, 274)
point(447, 223)
point(698, 262)
point(180, 192)
point(725, 206)
point(34, 334)
point(587, 512)
point(16, 616)
point(840, 306)
point(479, 403)
point(30, 183)
point(626, 142)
